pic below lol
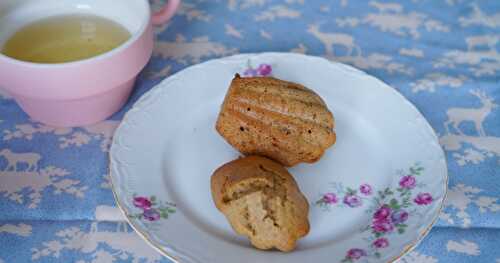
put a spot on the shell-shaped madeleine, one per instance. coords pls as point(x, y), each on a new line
point(278, 119)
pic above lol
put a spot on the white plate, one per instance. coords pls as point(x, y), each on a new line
point(166, 149)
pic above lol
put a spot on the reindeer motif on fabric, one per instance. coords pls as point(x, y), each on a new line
point(13, 159)
point(332, 39)
point(476, 115)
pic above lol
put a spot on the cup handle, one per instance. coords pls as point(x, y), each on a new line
point(166, 12)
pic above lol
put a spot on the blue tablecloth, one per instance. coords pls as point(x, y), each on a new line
point(56, 205)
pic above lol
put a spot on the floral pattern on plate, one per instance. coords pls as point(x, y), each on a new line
point(152, 209)
point(262, 70)
point(345, 196)
point(391, 209)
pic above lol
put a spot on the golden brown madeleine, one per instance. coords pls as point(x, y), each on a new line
point(262, 201)
point(281, 120)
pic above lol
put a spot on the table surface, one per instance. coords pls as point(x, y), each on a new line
point(442, 55)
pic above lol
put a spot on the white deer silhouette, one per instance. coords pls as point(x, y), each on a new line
point(487, 40)
point(331, 39)
point(477, 115)
point(31, 159)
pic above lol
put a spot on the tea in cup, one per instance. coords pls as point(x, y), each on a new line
point(72, 63)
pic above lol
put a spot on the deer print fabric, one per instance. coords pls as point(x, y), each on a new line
point(443, 55)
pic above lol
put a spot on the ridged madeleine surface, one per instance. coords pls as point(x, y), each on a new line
point(281, 120)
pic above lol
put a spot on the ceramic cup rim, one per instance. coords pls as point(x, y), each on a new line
point(146, 20)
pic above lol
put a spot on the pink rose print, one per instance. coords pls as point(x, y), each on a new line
point(399, 217)
point(350, 197)
point(151, 215)
point(142, 202)
point(151, 209)
point(407, 182)
point(264, 70)
point(382, 213)
point(355, 253)
point(393, 207)
point(382, 226)
point(382, 221)
point(352, 200)
point(330, 198)
point(381, 242)
point(365, 189)
point(423, 199)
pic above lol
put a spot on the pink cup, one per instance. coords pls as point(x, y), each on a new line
point(86, 91)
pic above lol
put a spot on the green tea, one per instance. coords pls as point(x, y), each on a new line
point(65, 38)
